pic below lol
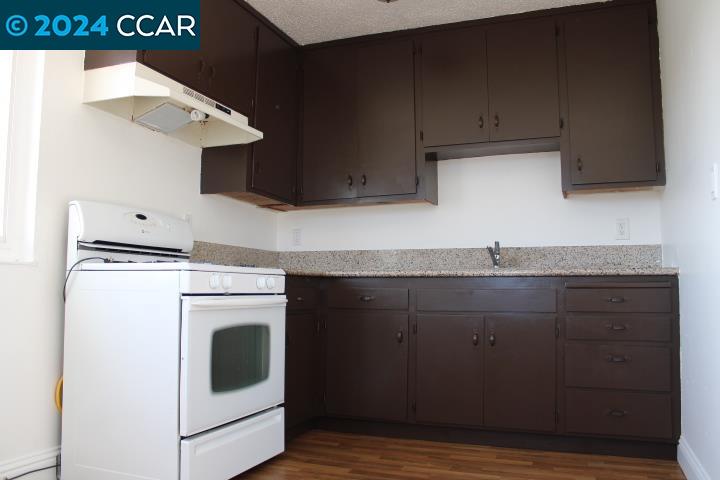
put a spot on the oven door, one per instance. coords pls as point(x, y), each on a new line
point(232, 360)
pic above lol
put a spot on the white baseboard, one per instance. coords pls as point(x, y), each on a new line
point(18, 466)
point(690, 463)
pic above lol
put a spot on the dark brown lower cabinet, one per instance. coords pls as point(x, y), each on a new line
point(449, 378)
point(619, 413)
point(520, 372)
point(301, 360)
point(366, 364)
point(490, 359)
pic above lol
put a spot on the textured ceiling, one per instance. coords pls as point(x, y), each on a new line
point(313, 21)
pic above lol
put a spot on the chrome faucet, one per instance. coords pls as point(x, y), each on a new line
point(495, 254)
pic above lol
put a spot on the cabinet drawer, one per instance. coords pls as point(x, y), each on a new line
point(538, 300)
point(618, 413)
point(621, 300)
point(617, 366)
point(302, 298)
point(650, 328)
point(368, 298)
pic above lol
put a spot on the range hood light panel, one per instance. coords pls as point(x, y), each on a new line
point(164, 118)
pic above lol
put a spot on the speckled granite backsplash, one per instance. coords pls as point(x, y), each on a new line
point(204, 252)
point(631, 259)
point(585, 260)
point(474, 258)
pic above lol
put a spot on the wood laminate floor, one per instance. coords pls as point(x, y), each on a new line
point(333, 456)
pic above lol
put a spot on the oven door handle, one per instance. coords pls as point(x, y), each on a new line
point(234, 303)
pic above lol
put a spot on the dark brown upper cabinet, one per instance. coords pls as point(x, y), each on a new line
point(495, 83)
point(614, 127)
point(523, 80)
point(329, 127)
point(454, 87)
point(359, 122)
point(224, 66)
point(449, 378)
point(520, 371)
point(386, 119)
point(274, 162)
point(264, 172)
point(367, 362)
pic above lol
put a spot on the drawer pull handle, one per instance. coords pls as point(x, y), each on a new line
point(475, 338)
point(618, 358)
point(617, 413)
point(399, 336)
point(300, 299)
point(616, 328)
point(367, 298)
point(615, 300)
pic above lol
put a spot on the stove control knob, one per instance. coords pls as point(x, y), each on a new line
point(270, 283)
point(214, 281)
point(261, 282)
point(227, 282)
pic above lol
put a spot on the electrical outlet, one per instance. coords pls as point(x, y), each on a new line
point(188, 218)
point(297, 237)
point(622, 229)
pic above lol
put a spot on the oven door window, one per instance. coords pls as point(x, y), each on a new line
point(240, 357)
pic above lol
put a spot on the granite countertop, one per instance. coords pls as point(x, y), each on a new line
point(489, 272)
point(448, 262)
point(476, 262)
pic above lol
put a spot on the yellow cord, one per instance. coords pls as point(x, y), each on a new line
point(58, 394)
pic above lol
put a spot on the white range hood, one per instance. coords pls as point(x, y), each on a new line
point(140, 94)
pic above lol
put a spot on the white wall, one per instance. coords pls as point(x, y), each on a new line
point(516, 199)
point(689, 48)
point(86, 153)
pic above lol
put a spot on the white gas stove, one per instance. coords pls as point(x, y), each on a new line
point(173, 370)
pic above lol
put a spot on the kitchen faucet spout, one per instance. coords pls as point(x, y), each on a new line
point(495, 254)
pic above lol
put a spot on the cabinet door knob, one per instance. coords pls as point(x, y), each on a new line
point(481, 122)
point(492, 339)
point(475, 338)
point(579, 164)
point(615, 300)
point(363, 180)
point(300, 299)
point(399, 336)
point(349, 180)
point(497, 120)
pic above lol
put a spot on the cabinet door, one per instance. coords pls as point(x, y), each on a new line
point(610, 100)
point(329, 124)
point(184, 66)
point(224, 66)
point(386, 119)
point(449, 369)
point(367, 357)
point(520, 372)
point(454, 88)
point(229, 44)
point(274, 168)
point(301, 362)
point(523, 80)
